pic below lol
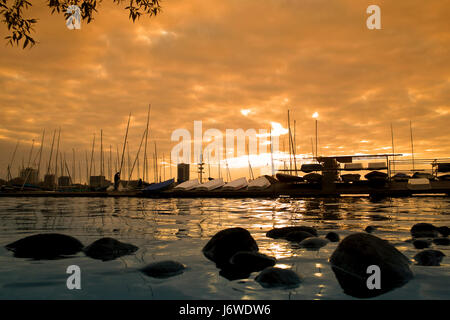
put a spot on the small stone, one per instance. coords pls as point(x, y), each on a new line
point(298, 236)
point(332, 236)
point(163, 269)
point(251, 261)
point(442, 241)
point(421, 244)
point(370, 229)
point(444, 231)
point(314, 243)
point(429, 258)
point(281, 233)
point(107, 249)
point(424, 230)
point(276, 277)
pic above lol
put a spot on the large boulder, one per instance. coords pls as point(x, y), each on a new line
point(424, 230)
point(45, 246)
point(429, 258)
point(356, 253)
point(107, 249)
point(163, 269)
point(281, 233)
point(276, 277)
point(224, 244)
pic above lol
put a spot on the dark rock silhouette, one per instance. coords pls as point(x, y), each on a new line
point(281, 233)
point(424, 230)
point(251, 261)
point(356, 252)
point(107, 249)
point(444, 231)
point(421, 244)
point(276, 277)
point(163, 269)
point(298, 236)
point(332, 236)
point(442, 241)
point(370, 229)
point(313, 243)
point(45, 246)
point(429, 258)
point(224, 244)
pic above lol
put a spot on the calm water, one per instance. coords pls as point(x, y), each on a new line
point(177, 229)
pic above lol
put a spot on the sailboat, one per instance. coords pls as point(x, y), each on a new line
point(210, 185)
point(237, 184)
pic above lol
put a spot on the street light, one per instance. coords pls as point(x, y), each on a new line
point(316, 116)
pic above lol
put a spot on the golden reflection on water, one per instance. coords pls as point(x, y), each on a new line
point(179, 228)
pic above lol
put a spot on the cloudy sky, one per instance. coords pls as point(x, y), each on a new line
point(233, 64)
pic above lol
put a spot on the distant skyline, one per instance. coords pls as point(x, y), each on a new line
point(233, 64)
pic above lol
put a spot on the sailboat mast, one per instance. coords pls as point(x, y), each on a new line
point(393, 150)
point(412, 143)
point(124, 144)
point(145, 164)
point(40, 154)
point(51, 153)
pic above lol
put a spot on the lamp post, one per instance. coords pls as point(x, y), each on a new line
point(315, 116)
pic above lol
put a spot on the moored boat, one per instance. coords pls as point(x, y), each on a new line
point(236, 184)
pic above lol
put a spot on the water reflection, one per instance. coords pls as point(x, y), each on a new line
point(178, 228)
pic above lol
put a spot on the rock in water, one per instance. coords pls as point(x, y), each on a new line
point(442, 241)
point(298, 236)
point(281, 233)
point(276, 277)
point(370, 229)
point(45, 246)
point(163, 269)
point(429, 258)
point(107, 249)
point(424, 230)
point(356, 252)
point(251, 261)
point(314, 243)
point(332, 236)
point(445, 231)
point(224, 244)
point(421, 244)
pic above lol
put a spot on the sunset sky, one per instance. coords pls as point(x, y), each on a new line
point(233, 64)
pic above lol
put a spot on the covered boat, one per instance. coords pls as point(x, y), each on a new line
point(350, 177)
point(401, 177)
point(158, 187)
point(311, 167)
point(236, 184)
point(353, 166)
point(210, 185)
point(419, 184)
point(187, 185)
point(313, 177)
point(376, 176)
point(422, 175)
point(288, 178)
point(259, 183)
point(376, 166)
